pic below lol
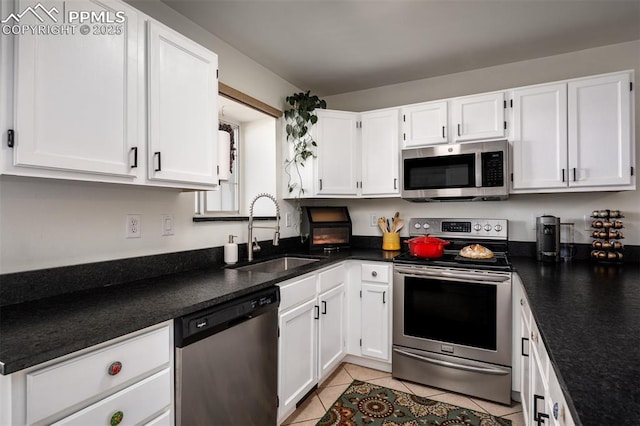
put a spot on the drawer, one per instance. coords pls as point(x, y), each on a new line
point(295, 292)
point(375, 272)
point(137, 403)
point(163, 419)
point(60, 386)
point(331, 278)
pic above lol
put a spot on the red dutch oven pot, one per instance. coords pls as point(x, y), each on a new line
point(427, 247)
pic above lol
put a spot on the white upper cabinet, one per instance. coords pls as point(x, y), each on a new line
point(337, 139)
point(478, 117)
point(600, 152)
point(424, 124)
point(183, 113)
point(76, 102)
point(539, 142)
point(76, 95)
point(379, 148)
point(574, 135)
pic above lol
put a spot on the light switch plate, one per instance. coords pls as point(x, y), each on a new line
point(167, 224)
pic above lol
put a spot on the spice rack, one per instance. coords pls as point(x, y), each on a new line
point(606, 246)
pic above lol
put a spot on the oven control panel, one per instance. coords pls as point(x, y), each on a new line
point(495, 229)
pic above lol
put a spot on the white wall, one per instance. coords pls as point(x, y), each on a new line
point(518, 208)
point(48, 223)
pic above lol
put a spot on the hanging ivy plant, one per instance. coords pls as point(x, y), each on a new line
point(300, 118)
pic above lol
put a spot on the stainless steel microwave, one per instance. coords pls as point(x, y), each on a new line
point(456, 172)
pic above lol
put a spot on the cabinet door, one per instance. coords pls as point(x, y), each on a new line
point(375, 321)
point(540, 137)
point(296, 355)
point(539, 412)
point(183, 115)
point(331, 331)
point(379, 142)
point(424, 124)
point(524, 350)
point(599, 131)
point(337, 159)
point(76, 105)
point(479, 117)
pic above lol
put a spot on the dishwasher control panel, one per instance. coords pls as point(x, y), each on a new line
point(201, 324)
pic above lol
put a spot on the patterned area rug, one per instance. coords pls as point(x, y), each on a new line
point(372, 405)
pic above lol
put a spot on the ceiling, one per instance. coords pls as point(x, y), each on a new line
point(339, 46)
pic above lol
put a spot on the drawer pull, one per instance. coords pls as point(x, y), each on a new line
point(116, 418)
point(115, 368)
point(374, 274)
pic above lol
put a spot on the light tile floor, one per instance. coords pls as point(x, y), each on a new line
point(319, 402)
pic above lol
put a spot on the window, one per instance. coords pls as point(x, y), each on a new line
point(249, 136)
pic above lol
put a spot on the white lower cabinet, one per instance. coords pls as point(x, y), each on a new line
point(370, 312)
point(130, 377)
point(543, 402)
point(296, 356)
point(133, 405)
point(312, 333)
point(331, 331)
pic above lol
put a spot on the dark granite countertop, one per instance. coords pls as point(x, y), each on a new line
point(588, 315)
point(589, 319)
point(41, 330)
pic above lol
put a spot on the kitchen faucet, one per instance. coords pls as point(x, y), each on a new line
point(253, 246)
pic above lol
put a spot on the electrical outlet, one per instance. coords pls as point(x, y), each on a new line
point(373, 220)
point(133, 226)
point(167, 224)
point(287, 220)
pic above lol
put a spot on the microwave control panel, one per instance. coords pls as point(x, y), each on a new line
point(492, 169)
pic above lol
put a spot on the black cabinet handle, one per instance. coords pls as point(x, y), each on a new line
point(541, 417)
point(574, 174)
point(384, 293)
point(135, 157)
point(320, 184)
point(442, 132)
point(324, 307)
point(522, 347)
point(317, 314)
point(563, 175)
point(536, 414)
point(459, 130)
point(159, 155)
point(395, 183)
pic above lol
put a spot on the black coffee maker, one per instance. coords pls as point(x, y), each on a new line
point(548, 238)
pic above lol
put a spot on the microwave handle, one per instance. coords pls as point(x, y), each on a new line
point(478, 170)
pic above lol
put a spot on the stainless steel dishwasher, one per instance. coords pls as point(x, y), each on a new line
point(227, 362)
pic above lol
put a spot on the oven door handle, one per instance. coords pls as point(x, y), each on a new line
point(495, 371)
point(454, 276)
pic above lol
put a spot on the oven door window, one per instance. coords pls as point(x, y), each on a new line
point(451, 312)
point(451, 171)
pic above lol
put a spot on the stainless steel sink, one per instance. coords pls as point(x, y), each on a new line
point(280, 264)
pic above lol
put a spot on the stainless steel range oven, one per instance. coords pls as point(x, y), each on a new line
point(452, 316)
